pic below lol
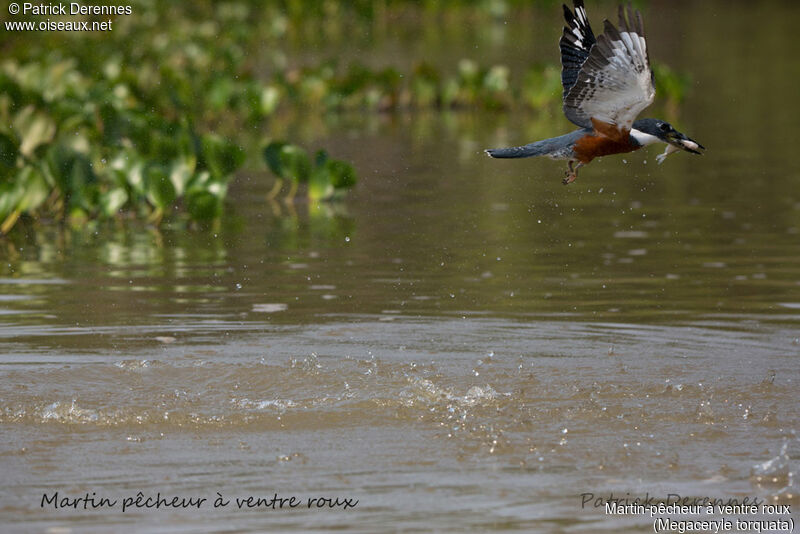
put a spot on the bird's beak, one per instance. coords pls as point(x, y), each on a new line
point(681, 141)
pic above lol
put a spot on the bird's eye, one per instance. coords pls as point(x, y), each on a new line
point(664, 127)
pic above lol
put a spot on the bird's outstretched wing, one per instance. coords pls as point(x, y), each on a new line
point(575, 44)
point(615, 82)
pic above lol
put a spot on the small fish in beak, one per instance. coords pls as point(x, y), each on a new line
point(678, 141)
point(667, 151)
point(687, 144)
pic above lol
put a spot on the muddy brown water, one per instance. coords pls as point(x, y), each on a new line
point(461, 345)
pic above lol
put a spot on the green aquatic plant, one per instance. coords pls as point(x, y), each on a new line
point(129, 134)
point(288, 163)
point(472, 85)
point(73, 147)
point(326, 178)
point(331, 178)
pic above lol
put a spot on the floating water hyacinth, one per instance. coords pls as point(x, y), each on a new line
point(288, 163)
point(326, 179)
point(73, 147)
point(330, 177)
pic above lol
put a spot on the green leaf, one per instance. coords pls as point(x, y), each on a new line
point(35, 128)
point(272, 155)
point(343, 176)
point(10, 195)
point(220, 156)
point(28, 191)
point(35, 189)
point(469, 71)
point(319, 185)
point(497, 78)
point(72, 172)
point(82, 173)
point(203, 205)
point(135, 177)
point(160, 191)
point(289, 162)
point(112, 200)
point(8, 154)
point(127, 169)
point(198, 181)
point(77, 217)
point(270, 98)
point(220, 93)
point(181, 173)
point(329, 177)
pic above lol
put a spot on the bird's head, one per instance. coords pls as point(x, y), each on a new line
point(666, 133)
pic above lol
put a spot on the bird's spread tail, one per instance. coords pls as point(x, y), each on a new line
point(526, 151)
point(558, 147)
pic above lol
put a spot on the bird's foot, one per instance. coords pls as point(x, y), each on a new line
point(569, 179)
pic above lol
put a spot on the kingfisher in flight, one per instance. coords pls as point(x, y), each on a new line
point(607, 83)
